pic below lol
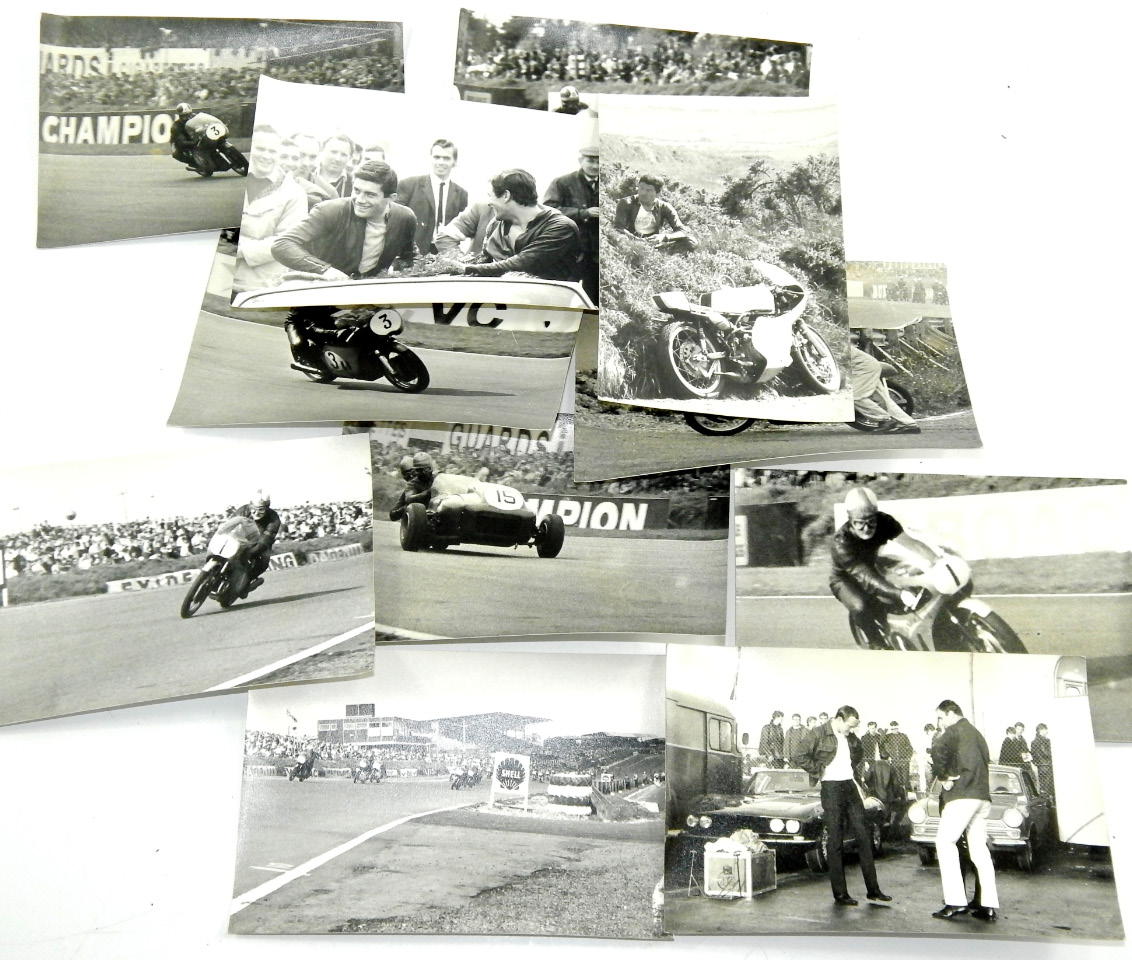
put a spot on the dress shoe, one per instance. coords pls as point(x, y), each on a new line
point(880, 897)
point(948, 912)
point(845, 901)
point(986, 914)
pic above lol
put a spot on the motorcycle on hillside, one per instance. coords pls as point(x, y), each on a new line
point(945, 616)
point(742, 336)
point(211, 152)
point(226, 574)
point(327, 343)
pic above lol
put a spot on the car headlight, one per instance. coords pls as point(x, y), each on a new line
point(777, 826)
point(917, 814)
point(793, 826)
point(1012, 818)
point(701, 821)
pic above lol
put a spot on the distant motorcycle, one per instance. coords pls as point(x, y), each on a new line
point(742, 335)
point(367, 774)
point(211, 152)
point(302, 769)
point(945, 615)
point(355, 346)
point(226, 574)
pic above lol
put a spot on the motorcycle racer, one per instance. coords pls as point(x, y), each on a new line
point(184, 134)
point(854, 578)
point(424, 483)
point(268, 522)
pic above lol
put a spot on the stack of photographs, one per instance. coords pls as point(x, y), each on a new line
point(548, 495)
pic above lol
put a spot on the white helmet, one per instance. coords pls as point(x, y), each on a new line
point(259, 504)
point(861, 503)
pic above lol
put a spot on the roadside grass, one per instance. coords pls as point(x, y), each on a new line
point(38, 587)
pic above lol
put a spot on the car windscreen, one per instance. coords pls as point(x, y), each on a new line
point(778, 781)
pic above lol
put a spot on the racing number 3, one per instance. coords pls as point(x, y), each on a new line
point(440, 315)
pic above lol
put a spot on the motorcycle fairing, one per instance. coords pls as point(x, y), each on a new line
point(773, 337)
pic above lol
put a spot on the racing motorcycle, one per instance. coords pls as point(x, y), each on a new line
point(945, 614)
point(371, 774)
point(212, 153)
point(226, 574)
point(302, 769)
point(356, 345)
point(742, 336)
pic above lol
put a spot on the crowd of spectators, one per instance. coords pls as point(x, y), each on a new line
point(51, 548)
point(673, 60)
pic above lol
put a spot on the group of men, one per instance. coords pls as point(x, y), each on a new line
point(337, 210)
point(833, 754)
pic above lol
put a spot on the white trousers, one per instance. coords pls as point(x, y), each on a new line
point(970, 817)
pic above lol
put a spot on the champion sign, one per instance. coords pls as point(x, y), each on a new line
point(105, 128)
point(599, 513)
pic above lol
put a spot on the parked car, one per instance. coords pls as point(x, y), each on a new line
point(1021, 820)
point(786, 812)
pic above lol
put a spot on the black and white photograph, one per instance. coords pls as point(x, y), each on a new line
point(433, 195)
point(550, 63)
point(457, 793)
point(723, 263)
point(315, 362)
point(482, 532)
point(912, 562)
point(145, 122)
point(909, 391)
point(176, 574)
point(861, 797)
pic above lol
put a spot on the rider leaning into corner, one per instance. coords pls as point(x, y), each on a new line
point(423, 483)
point(185, 131)
point(259, 554)
point(854, 579)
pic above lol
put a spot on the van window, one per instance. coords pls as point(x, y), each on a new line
point(720, 735)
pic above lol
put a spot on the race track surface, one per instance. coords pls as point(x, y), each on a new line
point(608, 451)
point(595, 585)
point(239, 372)
point(1096, 627)
point(84, 199)
point(67, 656)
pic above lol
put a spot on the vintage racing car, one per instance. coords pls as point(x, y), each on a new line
point(1020, 821)
point(492, 514)
point(786, 812)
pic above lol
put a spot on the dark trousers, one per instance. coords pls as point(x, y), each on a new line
point(843, 810)
point(868, 612)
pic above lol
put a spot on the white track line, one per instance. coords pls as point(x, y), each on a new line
point(984, 596)
point(294, 658)
point(407, 634)
point(275, 883)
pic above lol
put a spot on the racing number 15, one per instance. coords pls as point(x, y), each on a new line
point(440, 315)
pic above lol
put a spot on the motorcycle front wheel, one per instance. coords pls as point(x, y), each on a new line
point(199, 590)
point(814, 361)
point(237, 160)
point(713, 426)
point(405, 370)
point(986, 633)
point(684, 362)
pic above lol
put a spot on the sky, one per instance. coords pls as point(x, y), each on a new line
point(196, 480)
point(577, 693)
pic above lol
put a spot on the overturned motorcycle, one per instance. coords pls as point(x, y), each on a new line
point(945, 615)
point(226, 574)
point(360, 344)
point(743, 336)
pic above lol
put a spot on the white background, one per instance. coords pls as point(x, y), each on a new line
point(987, 136)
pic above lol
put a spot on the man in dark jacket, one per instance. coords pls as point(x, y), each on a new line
point(854, 578)
point(646, 216)
point(575, 195)
point(268, 522)
point(360, 236)
point(830, 754)
point(772, 743)
point(962, 763)
point(898, 748)
point(545, 242)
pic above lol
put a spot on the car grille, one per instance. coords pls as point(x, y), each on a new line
point(996, 830)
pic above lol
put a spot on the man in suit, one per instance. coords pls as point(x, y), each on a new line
point(962, 762)
point(334, 164)
point(362, 235)
point(576, 196)
point(830, 753)
point(433, 197)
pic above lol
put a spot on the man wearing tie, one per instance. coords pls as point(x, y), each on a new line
point(434, 198)
point(576, 195)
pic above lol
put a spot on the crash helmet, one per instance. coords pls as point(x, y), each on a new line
point(182, 108)
point(569, 94)
point(259, 504)
point(861, 506)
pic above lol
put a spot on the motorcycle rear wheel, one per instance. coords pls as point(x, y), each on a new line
point(198, 592)
point(712, 426)
point(405, 370)
point(986, 634)
point(814, 361)
point(683, 365)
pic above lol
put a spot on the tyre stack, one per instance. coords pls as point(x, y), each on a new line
point(570, 793)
